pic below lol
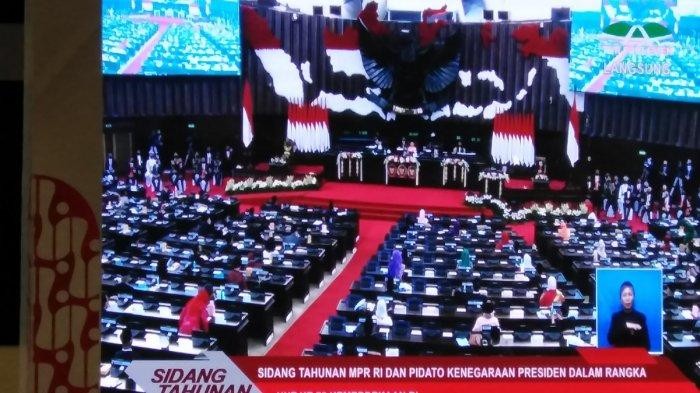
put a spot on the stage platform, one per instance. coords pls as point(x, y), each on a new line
point(518, 191)
point(374, 201)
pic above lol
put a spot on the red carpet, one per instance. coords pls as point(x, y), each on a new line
point(304, 333)
point(526, 230)
point(136, 62)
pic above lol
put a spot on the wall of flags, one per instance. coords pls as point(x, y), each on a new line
point(513, 140)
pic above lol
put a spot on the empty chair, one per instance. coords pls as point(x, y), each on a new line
point(414, 304)
point(418, 285)
point(417, 269)
point(336, 323)
point(366, 282)
point(352, 300)
point(401, 328)
point(200, 339)
point(432, 330)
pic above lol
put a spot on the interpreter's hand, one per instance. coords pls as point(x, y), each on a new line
point(633, 326)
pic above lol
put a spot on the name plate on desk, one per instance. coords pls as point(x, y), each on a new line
point(432, 291)
point(447, 334)
point(537, 339)
point(350, 328)
point(185, 343)
point(531, 294)
point(416, 332)
point(430, 273)
point(431, 311)
point(152, 340)
point(287, 263)
point(507, 293)
point(400, 309)
point(461, 309)
point(517, 313)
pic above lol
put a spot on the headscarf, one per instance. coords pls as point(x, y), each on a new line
point(551, 283)
point(527, 262)
point(190, 317)
point(564, 231)
point(381, 311)
point(465, 258)
point(396, 265)
point(601, 246)
point(422, 219)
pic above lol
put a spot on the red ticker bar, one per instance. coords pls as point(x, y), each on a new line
point(599, 369)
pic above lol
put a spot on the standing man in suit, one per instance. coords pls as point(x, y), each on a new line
point(689, 177)
point(459, 149)
point(664, 173)
point(140, 165)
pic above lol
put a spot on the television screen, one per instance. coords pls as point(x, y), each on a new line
point(637, 48)
point(171, 37)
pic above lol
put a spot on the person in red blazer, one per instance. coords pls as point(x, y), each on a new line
point(197, 312)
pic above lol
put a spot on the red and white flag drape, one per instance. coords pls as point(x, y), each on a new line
point(307, 126)
point(286, 77)
point(247, 115)
point(343, 50)
point(513, 140)
point(572, 147)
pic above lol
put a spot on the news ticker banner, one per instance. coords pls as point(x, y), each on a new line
point(598, 369)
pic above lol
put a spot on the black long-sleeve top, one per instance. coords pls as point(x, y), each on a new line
point(620, 335)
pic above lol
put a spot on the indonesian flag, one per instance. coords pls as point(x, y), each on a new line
point(247, 115)
point(513, 140)
point(343, 51)
point(307, 126)
point(286, 77)
point(572, 149)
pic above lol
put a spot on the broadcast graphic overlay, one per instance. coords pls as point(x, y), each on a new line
point(171, 37)
point(605, 370)
point(637, 48)
point(630, 304)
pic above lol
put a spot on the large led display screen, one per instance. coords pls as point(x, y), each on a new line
point(638, 48)
point(171, 37)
